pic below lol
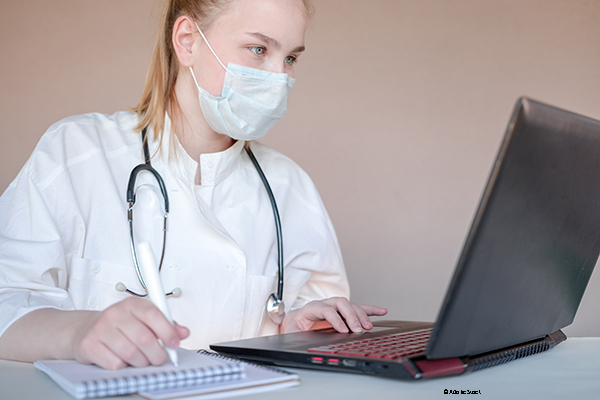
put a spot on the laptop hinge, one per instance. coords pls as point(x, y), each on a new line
point(487, 360)
point(454, 366)
point(440, 367)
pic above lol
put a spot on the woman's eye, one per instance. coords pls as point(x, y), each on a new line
point(259, 51)
point(290, 60)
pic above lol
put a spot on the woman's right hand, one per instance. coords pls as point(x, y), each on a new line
point(126, 333)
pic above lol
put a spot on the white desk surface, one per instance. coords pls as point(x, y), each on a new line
point(569, 371)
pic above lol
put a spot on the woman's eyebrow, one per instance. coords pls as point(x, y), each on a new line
point(273, 42)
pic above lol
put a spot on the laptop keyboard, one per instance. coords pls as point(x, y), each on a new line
point(385, 347)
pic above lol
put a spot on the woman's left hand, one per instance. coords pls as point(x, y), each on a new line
point(334, 310)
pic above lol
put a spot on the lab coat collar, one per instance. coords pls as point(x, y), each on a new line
point(214, 167)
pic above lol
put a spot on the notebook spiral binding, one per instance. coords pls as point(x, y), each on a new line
point(506, 356)
point(233, 359)
point(160, 381)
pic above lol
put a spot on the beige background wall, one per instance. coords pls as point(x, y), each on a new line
point(397, 113)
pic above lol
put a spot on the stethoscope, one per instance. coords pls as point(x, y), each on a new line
point(275, 307)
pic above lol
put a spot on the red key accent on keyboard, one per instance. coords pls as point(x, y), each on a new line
point(384, 347)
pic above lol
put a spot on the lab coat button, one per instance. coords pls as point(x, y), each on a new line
point(232, 203)
point(176, 267)
point(232, 267)
point(210, 163)
point(95, 268)
point(92, 302)
point(210, 178)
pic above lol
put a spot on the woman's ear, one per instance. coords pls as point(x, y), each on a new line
point(183, 40)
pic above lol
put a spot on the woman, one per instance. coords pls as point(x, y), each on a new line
point(64, 237)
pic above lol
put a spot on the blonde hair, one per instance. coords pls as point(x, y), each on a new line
point(158, 96)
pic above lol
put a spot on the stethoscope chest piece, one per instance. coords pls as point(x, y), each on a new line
point(275, 309)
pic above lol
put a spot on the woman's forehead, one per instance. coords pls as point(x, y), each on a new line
point(282, 20)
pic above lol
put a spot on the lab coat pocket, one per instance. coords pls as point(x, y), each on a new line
point(92, 283)
point(256, 323)
point(262, 287)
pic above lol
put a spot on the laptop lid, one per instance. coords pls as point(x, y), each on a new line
point(535, 238)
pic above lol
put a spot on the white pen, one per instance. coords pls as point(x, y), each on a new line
point(149, 271)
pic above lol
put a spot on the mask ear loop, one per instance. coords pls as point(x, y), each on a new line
point(212, 51)
point(195, 81)
point(210, 48)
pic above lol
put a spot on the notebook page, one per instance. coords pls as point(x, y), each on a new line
point(258, 379)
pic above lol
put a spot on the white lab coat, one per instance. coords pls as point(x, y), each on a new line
point(64, 236)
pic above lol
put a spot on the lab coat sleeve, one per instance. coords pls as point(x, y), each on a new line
point(32, 262)
point(317, 260)
point(328, 280)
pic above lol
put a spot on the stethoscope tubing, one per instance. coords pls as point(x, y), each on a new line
point(263, 178)
point(147, 166)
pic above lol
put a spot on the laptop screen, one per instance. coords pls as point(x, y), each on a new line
point(535, 238)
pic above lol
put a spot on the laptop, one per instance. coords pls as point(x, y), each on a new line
point(524, 267)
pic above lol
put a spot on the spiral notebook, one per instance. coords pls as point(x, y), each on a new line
point(194, 371)
point(198, 373)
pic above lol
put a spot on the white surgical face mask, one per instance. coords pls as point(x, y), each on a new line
point(251, 103)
